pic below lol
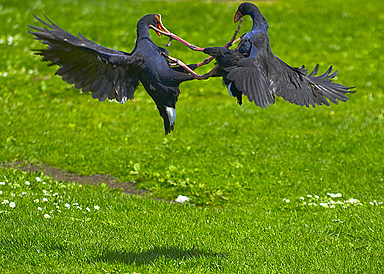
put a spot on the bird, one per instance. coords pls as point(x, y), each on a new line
point(253, 70)
point(114, 74)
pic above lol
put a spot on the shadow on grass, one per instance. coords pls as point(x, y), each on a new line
point(151, 255)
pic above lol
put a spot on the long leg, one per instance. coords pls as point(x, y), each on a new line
point(177, 38)
point(189, 45)
point(208, 74)
point(233, 41)
point(181, 64)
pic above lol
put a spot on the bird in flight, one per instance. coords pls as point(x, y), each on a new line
point(253, 70)
point(115, 74)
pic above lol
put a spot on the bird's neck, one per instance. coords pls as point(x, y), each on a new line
point(259, 22)
point(142, 31)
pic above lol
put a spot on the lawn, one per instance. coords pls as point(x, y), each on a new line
point(286, 189)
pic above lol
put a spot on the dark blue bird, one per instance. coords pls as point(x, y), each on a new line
point(252, 69)
point(114, 74)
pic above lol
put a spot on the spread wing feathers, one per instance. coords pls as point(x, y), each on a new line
point(252, 81)
point(298, 87)
point(107, 73)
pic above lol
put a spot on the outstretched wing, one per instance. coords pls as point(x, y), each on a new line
point(105, 72)
point(298, 87)
point(249, 77)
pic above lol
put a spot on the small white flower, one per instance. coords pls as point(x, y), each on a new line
point(96, 207)
point(324, 204)
point(38, 179)
point(23, 193)
point(1, 192)
point(182, 199)
point(67, 205)
point(286, 200)
point(12, 204)
point(301, 198)
point(47, 216)
point(27, 183)
point(5, 202)
point(36, 200)
point(45, 200)
point(316, 197)
point(88, 209)
point(2, 183)
point(13, 194)
point(39, 208)
point(75, 204)
point(335, 195)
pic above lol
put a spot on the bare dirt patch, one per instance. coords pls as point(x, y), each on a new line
point(60, 175)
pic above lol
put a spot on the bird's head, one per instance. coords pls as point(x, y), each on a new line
point(242, 10)
point(253, 11)
point(245, 9)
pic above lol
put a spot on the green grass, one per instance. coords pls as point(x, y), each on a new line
point(236, 164)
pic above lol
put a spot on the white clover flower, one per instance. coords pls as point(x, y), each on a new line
point(182, 199)
point(39, 208)
point(47, 216)
point(5, 202)
point(96, 207)
point(27, 183)
point(38, 179)
point(12, 204)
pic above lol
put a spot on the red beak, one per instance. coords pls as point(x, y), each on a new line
point(238, 16)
